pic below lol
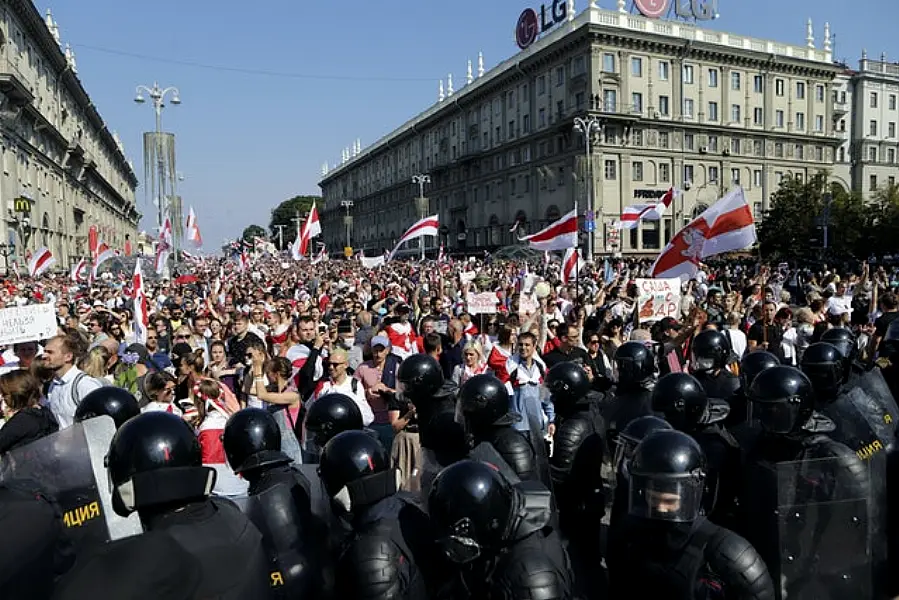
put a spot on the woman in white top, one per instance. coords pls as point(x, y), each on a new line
point(472, 364)
point(160, 388)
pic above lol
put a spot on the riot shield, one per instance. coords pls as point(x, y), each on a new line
point(810, 523)
point(69, 465)
point(881, 402)
point(287, 536)
point(537, 437)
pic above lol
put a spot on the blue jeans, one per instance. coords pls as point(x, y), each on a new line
point(385, 434)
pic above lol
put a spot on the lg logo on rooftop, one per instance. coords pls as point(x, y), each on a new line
point(530, 25)
point(701, 10)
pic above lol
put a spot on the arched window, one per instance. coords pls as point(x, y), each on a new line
point(493, 232)
point(45, 230)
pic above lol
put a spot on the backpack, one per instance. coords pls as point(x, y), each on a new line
point(76, 396)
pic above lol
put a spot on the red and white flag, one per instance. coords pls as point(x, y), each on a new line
point(725, 226)
point(572, 263)
point(40, 261)
point(441, 255)
point(560, 235)
point(75, 274)
point(311, 228)
point(654, 211)
point(428, 226)
point(295, 249)
point(104, 253)
point(141, 316)
point(193, 229)
point(163, 246)
point(322, 256)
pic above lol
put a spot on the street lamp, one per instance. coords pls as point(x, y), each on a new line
point(421, 179)
point(347, 220)
point(588, 126)
point(158, 96)
point(6, 250)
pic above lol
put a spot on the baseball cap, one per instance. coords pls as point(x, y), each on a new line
point(669, 323)
point(380, 340)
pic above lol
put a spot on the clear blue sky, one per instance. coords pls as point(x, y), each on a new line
point(339, 69)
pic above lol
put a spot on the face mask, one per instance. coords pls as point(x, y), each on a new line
point(349, 342)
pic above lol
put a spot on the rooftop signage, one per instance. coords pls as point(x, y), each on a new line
point(701, 10)
point(531, 24)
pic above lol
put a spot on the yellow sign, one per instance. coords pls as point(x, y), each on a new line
point(348, 251)
point(21, 205)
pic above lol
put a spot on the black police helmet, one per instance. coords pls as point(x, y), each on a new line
point(635, 362)
point(753, 364)
point(844, 341)
point(332, 414)
point(419, 377)
point(667, 475)
point(484, 403)
point(682, 399)
point(782, 399)
point(471, 506)
point(111, 401)
point(349, 458)
point(634, 432)
point(824, 365)
point(155, 459)
point(252, 440)
point(567, 382)
point(710, 350)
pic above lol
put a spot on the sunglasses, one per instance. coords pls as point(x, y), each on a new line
point(593, 342)
point(335, 365)
point(181, 337)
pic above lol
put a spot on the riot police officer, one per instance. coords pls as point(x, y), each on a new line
point(496, 535)
point(635, 365)
point(711, 353)
point(669, 550)
point(750, 366)
point(578, 453)
point(484, 411)
point(327, 416)
point(280, 502)
point(681, 398)
point(111, 401)
point(390, 534)
point(155, 468)
point(844, 341)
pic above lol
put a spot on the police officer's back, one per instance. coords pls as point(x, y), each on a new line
point(496, 536)
point(155, 467)
point(635, 365)
point(383, 555)
point(329, 415)
point(670, 551)
point(750, 366)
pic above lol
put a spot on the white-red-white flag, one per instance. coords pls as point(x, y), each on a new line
point(441, 255)
point(40, 261)
point(572, 263)
point(725, 226)
point(429, 226)
point(311, 228)
point(163, 246)
point(75, 274)
point(141, 316)
point(559, 235)
point(295, 251)
point(633, 214)
point(193, 229)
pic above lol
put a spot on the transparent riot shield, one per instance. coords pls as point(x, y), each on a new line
point(537, 437)
point(810, 523)
point(881, 403)
point(69, 465)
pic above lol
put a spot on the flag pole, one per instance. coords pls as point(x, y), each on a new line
point(577, 270)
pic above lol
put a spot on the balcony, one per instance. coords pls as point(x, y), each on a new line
point(14, 88)
point(840, 107)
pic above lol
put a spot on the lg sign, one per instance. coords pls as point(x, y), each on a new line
point(701, 10)
point(530, 24)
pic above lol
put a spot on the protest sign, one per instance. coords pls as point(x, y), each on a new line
point(27, 323)
point(481, 304)
point(658, 298)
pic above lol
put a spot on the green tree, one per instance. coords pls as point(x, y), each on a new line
point(285, 213)
point(885, 219)
point(252, 231)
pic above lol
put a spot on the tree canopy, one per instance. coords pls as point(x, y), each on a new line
point(252, 231)
point(285, 213)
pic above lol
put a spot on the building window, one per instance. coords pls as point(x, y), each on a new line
point(713, 174)
point(578, 66)
point(758, 84)
point(819, 153)
point(713, 78)
point(637, 66)
point(842, 155)
point(663, 140)
point(663, 106)
point(891, 129)
point(891, 155)
point(608, 63)
point(664, 66)
point(757, 178)
point(779, 118)
point(778, 177)
point(610, 171)
point(819, 93)
point(734, 81)
point(688, 173)
point(560, 75)
point(637, 101)
point(873, 99)
point(524, 92)
point(541, 85)
point(779, 87)
point(511, 99)
point(872, 185)
point(637, 171)
point(757, 116)
point(891, 181)
point(689, 141)
point(819, 123)
point(800, 152)
point(735, 113)
point(800, 90)
point(579, 100)
point(735, 176)
point(664, 172)
point(541, 118)
point(610, 100)
point(713, 143)
point(734, 146)
point(688, 108)
point(526, 123)
point(779, 149)
point(688, 73)
point(511, 129)
point(892, 101)
point(713, 111)
point(637, 137)
point(872, 127)
point(800, 121)
point(872, 154)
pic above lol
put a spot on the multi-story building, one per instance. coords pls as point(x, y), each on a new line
point(677, 105)
point(63, 170)
point(842, 100)
point(874, 115)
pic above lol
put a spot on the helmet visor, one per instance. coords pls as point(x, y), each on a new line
point(665, 498)
point(702, 364)
point(459, 549)
point(776, 417)
point(825, 377)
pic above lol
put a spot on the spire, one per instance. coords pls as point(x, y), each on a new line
point(70, 59)
point(344, 155)
point(358, 146)
point(827, 42)
point(324, 168)
point(449, 84)
point(622, 6)
point(570, 10)
point(883, 57)
point(440, 95)
point(52, 27)
point(480, 64)
point(468, 76)
point(593, 4)
point(864, 54)
point(809, 34)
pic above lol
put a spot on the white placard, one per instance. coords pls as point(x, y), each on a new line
point(27, 323)
point(467, 276)
point(528, 304)
point(658, 298)
point(481, 304)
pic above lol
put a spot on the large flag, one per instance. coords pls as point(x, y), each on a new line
point(295, 252)
point(193, 229)
point(322, 256)
point(40, 261)
point(311, 228)
point(163, 246)
point(104, 253)
point(428, 226)
point(572, 263)
point(141, 316)
point(654, 211)
point(75, 274)
point(560, 235)
point(725, 226)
